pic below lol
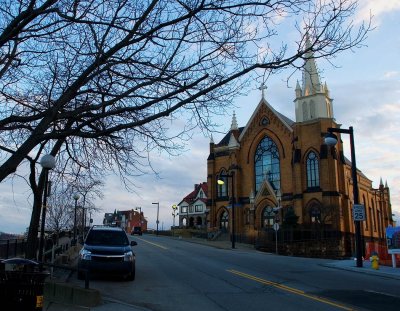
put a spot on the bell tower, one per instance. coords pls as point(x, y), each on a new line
point(312, 98)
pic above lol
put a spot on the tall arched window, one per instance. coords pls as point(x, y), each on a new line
point(268, 217)
point(312, 166)
point(224, 221)
point(222, 190)
point(267, 164)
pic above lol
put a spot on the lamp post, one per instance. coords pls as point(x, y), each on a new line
point(48, 162)
point(83, 223)
point(221, 182)
point(174, 209)
point(331, 140)
point(158, 209)
point(252, 209)
point(76, 198)
point(140, 216)
point(276, 220)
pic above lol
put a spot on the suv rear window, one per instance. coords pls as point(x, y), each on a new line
point(107, 237)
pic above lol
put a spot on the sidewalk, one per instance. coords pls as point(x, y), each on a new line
point(350, 265)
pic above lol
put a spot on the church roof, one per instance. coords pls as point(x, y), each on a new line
point(225, 140)
point(348, 162)
point(285, 120)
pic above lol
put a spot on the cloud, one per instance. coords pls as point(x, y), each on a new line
point(376, 8)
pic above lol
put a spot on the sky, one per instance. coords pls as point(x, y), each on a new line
point(365, 87)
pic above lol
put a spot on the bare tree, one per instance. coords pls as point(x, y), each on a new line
point(118, 71)
point(97, 83)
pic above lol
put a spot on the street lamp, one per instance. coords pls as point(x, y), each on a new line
point(174, 209)
point(83, 223)
point(276, 224)
point(221, 182)
point(252, 209)
point(331, 140)
point(76, 198)
point(158, 209)
point(48, 162)
point(140, 216)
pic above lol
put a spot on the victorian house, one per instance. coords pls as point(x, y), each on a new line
point(280, 175)
point(193, 208)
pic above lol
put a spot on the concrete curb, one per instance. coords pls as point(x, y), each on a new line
point(383, 272)
point(69, 294)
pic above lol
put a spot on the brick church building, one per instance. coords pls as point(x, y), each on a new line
point(282, 174)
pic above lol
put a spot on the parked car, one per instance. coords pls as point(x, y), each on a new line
point(136, 230)
point(107, 250)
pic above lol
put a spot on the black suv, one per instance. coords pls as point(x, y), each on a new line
point(107, 250)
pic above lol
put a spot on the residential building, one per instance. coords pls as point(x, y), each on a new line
point(126, 220)
point(193, 208)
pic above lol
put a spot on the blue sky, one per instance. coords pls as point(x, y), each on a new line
point(365, 86)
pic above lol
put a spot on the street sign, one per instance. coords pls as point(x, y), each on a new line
point(358, 212)
point(276, 226)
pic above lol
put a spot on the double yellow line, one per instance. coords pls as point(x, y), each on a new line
point(288, 289)
point(155, 244)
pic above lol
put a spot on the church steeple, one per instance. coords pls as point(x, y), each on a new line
point(311, 81)
point(312, 99)
point(234, 125)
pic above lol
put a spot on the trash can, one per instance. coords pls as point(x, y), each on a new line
point(21, 285)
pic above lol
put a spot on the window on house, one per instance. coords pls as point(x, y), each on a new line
point(312, 167)
point(267, 163)
point(183, 209)
point(198, 208)
point(191, 209)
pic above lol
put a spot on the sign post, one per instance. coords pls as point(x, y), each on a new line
point(276, 228)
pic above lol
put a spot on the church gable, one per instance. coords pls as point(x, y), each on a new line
point(264, 116)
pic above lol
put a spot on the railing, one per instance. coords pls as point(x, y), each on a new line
point(12, 248)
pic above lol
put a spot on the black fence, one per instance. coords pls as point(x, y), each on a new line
point(320, 243)
point(12, 248)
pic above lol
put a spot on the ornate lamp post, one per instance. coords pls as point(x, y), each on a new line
point(140, 216)
point(276, 219)
point(252, 209)
point(331, 140)
point(76, 198)
point(174, 213)
point(158, 209)
point(48, 162)
point(221, 182)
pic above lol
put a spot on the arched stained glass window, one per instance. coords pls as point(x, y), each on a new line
point(222, 189)
point(224, 221)
point(267, 163)
point(312, 166)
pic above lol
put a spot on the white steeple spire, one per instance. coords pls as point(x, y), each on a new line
point(311, 81)
point(234, 125)
point(312, 99)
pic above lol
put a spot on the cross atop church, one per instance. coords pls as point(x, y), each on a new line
point(262, 88)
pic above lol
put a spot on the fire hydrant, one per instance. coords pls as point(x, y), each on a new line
point(374, 260)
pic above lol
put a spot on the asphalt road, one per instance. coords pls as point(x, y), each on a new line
point(173, 274)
